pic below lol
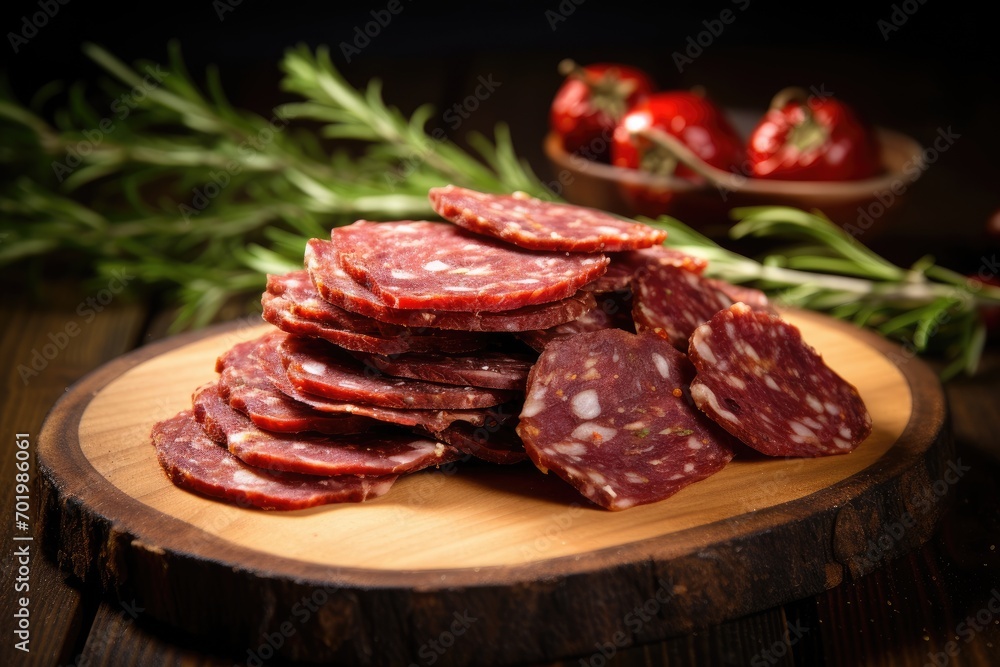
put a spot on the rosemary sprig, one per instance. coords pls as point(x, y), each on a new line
point(200, 198)
point(926, 307)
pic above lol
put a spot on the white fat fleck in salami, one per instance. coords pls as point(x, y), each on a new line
point(343, 293)
point(622, 436)
point(539, 225)
point(457, 270)
point(370, 454)
point(191, 460)
point(760, 381)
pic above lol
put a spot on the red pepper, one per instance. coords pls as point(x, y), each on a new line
point(591, 101)
point(686, 115)
point(810, 138)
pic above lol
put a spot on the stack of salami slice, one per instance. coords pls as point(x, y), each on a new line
point(408, 345)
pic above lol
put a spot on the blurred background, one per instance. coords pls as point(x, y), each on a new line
point(916, 67)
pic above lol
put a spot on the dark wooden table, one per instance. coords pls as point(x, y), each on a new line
point(911, 611)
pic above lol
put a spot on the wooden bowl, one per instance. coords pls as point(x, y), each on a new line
point(861, 207)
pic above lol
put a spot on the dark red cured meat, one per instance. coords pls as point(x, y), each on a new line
point(277, 311)
point(495, 370)
point(193, 461)
point(336, 287)
point(497, 444)
point(245, 385)
point(607, 411)
point(760, 381)
point(420, 265)
point(673, 301)
point(743, 294)
point(540, 225)
point(625, 267)
point(370, 454)
point(316, 367)
point(268, 356)
point(611, 313)
point(303, 300)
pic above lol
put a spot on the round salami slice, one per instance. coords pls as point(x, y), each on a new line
point(269, 358)
point(673, 301)
point(193, 461)
point(760, 381)
point(608, 412)
point(371, 454)
point(297, 291)
point(611, 313)
point(540, 225)
point(318, 368)
point(498, 443)
point(421, 265)
point(245, 385)
point(278, 311)
point(495, 370)
point(626, 267)
point(336, 287)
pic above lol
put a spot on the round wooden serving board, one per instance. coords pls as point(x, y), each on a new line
point(543, 573)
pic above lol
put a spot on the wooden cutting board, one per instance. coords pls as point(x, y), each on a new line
point(543, 573)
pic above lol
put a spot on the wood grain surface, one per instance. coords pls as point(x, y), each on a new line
point(491, 540)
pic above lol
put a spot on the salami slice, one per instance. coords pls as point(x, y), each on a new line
point(370, 454)
point(419, 265)
point(754, 298)
point(540, 225)
point(673, 301)
point(760, 381)
point(245, 385)
point(191, 460)
point(612, 313)
point(297, 291)
point(626, 267)
point(268, 356)
point(495, 370)
point(497, 444)
point(607, 412)
point(318, 368)
point(336, 287)
point(278, 311)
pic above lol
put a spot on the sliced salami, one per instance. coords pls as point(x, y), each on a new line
point(247, 388)
point(760, 381)
point(611, 313)
point(278, 311)
point(495, 370)
point(540, 225)
point(673, 301)
point(336, 287)
point(296, 289)
point(608, 412)
point(370, 454)
point(498, 443)
point(193, 461)
point(268, 356)
point(754, 298)
point(626, 267)
point(316, 367)
point(421, 265)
